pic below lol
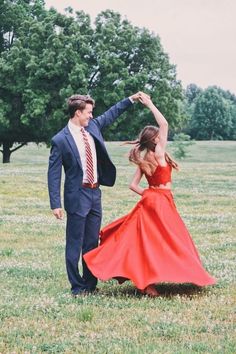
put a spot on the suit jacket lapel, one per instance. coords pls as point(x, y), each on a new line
point(72, 144)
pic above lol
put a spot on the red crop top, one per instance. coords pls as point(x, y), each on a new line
point(161, 175)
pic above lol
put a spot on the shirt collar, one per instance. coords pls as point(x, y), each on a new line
point(73, 127)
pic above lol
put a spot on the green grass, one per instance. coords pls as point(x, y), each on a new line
point(37, 313)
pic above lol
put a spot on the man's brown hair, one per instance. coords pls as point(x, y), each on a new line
point(78, 102)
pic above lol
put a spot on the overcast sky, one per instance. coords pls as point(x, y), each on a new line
point(198, 35)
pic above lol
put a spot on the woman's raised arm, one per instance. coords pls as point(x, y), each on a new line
point(160, 119)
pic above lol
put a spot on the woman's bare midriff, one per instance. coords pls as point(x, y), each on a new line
point(162, 186)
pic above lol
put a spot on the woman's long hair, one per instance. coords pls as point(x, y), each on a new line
point(146, 142)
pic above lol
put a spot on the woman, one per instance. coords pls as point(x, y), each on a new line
point(151, 244)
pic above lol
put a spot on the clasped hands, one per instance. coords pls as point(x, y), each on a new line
point(142, 98)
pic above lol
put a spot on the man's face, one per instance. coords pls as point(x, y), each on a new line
point(84, 116)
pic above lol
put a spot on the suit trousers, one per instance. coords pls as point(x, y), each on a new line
point(82, 233)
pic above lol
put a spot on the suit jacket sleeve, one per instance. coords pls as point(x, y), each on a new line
point(112, 113)
point(54, 176)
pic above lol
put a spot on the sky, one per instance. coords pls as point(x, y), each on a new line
point(198, 35)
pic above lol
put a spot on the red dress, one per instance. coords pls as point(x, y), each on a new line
point(150, 244)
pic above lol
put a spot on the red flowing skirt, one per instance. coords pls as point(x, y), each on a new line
point(149, 245)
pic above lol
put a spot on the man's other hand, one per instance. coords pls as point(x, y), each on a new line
point(58, 213)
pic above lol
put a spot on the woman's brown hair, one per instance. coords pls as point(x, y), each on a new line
point(146, 141)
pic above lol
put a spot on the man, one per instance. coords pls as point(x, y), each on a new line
point(80, 149)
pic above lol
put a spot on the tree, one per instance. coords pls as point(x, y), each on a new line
point(128, 59)
point(192, 92)
point(212, 117)
point(230, 99)
point(42, 63)
point(46, 57)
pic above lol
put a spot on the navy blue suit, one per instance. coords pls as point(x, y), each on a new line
point(83, 205)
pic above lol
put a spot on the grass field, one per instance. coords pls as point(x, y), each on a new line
point(37, 313)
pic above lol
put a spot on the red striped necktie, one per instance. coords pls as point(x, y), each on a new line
point(89, 157)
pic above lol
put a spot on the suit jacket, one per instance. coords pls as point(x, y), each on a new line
point(64, 153)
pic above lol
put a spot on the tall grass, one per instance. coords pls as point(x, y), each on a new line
point(37, 313)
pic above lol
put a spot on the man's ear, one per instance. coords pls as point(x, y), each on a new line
point(77, 113)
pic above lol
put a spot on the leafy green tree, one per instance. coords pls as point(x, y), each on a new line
point(46, 57)
point(128, 59)
point(188, 104)
point(230, 99)
point(192, 92)
point(42, 63)
point(212, 116)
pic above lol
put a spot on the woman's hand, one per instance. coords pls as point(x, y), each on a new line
point(145, 99)
point(136, 96)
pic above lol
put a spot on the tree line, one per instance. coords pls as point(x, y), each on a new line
point(46, 56)
point(211, 113)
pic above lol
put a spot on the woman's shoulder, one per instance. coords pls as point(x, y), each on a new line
point(151, 157)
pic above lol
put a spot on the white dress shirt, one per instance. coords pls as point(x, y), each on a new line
point(75, 131)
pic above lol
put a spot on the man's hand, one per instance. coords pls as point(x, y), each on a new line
point(58, 213)
point(138, 95)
